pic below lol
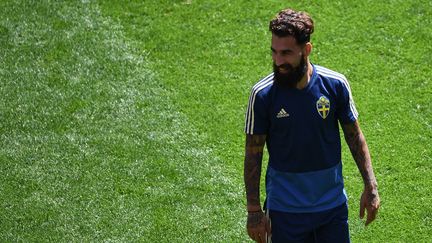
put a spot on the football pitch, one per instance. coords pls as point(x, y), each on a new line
point(123, 121)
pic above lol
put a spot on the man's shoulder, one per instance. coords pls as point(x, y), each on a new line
point(330, 74)
point(263, 85)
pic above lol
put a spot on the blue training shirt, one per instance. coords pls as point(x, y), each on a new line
point(304, 173)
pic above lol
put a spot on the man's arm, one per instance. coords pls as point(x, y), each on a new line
point(357, 143)
point(252, 170)
point(257, 224)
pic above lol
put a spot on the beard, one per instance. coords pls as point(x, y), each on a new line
point(292, 77)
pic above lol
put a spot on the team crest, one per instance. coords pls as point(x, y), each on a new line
point(323, 106)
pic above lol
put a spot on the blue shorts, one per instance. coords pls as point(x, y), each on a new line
point(326, 226)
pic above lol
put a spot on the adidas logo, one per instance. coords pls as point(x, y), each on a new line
point(282, 113)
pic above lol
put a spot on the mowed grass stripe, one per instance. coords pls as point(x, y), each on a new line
point(92, 147)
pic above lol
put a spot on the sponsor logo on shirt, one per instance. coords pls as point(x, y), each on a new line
point(282, 113)
point(323, 106)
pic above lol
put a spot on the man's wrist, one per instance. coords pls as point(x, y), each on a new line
point(372, 186)
point(254, 208)
point(257, 211)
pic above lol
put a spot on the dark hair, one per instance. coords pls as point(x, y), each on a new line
point(289, 22)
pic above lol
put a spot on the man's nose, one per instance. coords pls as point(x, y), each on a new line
point(278, 60)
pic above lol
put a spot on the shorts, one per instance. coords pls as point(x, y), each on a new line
point(326, 226)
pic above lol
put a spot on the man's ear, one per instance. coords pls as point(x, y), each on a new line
point(308, 48)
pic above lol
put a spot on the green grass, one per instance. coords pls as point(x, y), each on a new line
point(123, 121)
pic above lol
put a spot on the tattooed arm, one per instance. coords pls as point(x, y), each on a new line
point(357, 143)
point(257, 224)
point(252, 170)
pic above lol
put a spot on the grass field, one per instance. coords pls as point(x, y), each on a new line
point(123, 121)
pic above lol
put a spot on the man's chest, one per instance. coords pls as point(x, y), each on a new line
point(290, 108)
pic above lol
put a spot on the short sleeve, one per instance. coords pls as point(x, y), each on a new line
point(346, 112)
point(257, 121)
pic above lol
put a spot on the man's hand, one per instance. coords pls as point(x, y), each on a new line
point(371, 202)
point(258, 226)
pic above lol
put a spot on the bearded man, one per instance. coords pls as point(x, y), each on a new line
point(296, 111)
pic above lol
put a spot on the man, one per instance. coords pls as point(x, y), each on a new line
point(295, 111)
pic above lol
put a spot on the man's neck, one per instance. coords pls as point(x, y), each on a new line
point(306, 77)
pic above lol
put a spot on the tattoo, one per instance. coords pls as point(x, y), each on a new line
point(252, 168)
point(360, 152)
point(254, 219)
